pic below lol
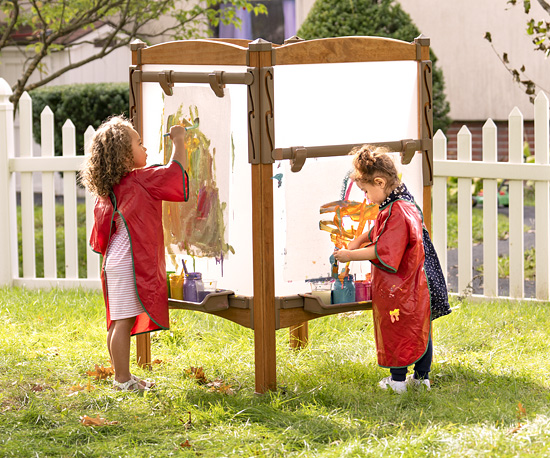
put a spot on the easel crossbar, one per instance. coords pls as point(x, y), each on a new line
point(298, 154)
point(196, 77)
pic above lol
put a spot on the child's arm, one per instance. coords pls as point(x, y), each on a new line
point(361, 254)
point(359, 241)
point(177, 134)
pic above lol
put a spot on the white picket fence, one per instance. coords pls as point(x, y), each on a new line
point(46, 165)
point(515, 170)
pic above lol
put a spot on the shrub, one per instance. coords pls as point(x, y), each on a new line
point(84, 104)
point(383, 18)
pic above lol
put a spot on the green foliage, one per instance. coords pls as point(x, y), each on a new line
point(384, 18)
point(84, 104)
point(327, 404)
point(53, 24)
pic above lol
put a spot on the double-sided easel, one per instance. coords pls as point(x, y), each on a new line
point(264, 312)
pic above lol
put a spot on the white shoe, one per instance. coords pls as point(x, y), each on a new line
point(398, 387)
point(418, 382)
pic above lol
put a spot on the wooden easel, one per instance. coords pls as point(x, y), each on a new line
point(264, 312)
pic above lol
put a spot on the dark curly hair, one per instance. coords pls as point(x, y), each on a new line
point(371, 162)
point(109, 156)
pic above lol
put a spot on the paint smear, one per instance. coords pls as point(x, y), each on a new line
point(196, 227)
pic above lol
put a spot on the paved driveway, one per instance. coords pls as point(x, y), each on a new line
point(477, 252)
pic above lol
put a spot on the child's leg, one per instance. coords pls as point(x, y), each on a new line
point(119, 347)
point(399, 375)
point(423, 365)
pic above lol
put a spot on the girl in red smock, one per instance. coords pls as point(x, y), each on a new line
point(408, 283)
point(128, 233)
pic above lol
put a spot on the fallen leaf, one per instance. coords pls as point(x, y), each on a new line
point(515, 429)
point(220, 386)
point(521, 411)
point(79, 387)
point(185, 444)
point(197, 373)
point(101, 372)
point(157, 361)
point(97, 421)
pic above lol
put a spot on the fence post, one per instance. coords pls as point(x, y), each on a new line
point(515, 207)
point(8, 222)
point(490, 214)
point(27, 188)
point(464, 212)
point(542, 199)
point(439, 227)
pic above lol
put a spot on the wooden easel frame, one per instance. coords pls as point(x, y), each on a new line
point(266, 313)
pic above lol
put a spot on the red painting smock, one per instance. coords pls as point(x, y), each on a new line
point(400, 294)
point(138, 198)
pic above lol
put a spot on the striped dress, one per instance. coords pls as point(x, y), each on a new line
point(119, 274)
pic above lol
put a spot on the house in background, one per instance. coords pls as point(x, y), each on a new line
point(113, 68)
point(478, 86)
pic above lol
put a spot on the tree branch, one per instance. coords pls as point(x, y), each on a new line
point(545, 5)
point(10, 25)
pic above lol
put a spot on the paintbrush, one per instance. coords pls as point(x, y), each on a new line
point(194, 126)
point(184, 267)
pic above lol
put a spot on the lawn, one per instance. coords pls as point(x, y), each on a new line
point(490, 393)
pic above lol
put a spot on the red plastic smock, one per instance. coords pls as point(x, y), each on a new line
point(138, 198)
point(400, 294)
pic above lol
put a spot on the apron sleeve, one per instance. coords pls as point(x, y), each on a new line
point(103, 214)
point(168, 182)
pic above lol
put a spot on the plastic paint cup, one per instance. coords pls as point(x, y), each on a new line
point(322, 290)
point(176, 286)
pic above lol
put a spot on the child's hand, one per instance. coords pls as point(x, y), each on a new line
point(342, 255)
point(177, 132)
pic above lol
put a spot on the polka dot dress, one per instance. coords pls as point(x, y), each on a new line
point(439, 299)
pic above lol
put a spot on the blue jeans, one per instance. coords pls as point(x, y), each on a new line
point(421, 368)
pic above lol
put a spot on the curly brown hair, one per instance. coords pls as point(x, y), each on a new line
point(109, 156)
point(371, 162)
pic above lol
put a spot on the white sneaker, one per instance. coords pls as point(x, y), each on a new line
point(398, 387)
point(418, 382)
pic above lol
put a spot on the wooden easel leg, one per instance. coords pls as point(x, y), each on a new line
point(143, 350)
point(299, 336)
point(264, 278)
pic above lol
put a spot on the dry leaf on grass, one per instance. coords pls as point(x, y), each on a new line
point(219, 385)
point(79, 387)
point(97, 421)
point(185, 444)
point(520, 414)
point(197, 373)
point(521, 411)
point(100, 372)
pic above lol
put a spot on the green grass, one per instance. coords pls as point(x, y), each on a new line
point(489, 357)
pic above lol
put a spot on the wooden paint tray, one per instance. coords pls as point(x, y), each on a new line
point(315, 305)
point(214, 302)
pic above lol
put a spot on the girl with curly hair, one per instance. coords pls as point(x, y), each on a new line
point(409, 288)
point(128, 233)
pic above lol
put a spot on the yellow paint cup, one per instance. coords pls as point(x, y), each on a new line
point(176, 286)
